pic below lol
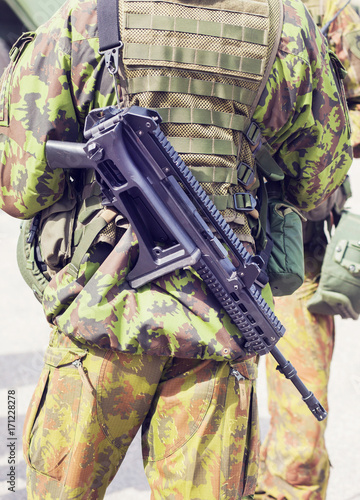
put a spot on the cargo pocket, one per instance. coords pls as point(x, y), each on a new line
point(179, 410)
point(6, 79)
point(51, 421)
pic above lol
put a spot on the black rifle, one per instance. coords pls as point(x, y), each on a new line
point(143, 177)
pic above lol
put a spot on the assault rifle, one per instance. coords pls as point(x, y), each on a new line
point(143, 177)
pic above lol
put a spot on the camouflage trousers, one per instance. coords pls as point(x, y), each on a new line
point(200, 436)
point(294, 464)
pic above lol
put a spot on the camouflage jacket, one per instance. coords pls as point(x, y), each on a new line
point(342, 23)
point(56, 76)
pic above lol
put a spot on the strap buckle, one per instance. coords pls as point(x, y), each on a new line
point(245, 174)
point(244, 202)
point(253, 133)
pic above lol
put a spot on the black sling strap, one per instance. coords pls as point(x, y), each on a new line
point(109, 33)
point(109, 37)
point(108, 24)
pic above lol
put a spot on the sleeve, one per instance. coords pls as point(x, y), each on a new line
point(303, 113)
point(35, 86)
point(53, 80)
point(343, 36)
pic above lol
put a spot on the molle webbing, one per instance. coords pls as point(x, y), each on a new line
point(194, 57)
point(203, 70)
point(197, 27)
point(191, 86)
point(196, 38)
point(160, 35)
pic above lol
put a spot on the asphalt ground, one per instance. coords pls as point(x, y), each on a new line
point(24, 334)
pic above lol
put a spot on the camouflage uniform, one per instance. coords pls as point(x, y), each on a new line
point(163, 356)
point(294, 462)
point(343, 36)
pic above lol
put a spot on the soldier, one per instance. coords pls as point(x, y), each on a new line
point(164, 356)
point(294, 462)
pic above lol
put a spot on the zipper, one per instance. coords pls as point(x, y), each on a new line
point(84, 377)
point(237, 374)
point(242, 389)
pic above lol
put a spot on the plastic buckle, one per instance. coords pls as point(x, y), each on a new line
point(246, 200)
point(253, 133)
point(245, 174)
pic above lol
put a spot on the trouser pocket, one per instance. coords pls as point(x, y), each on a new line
point(201, 439)
point(51, 420)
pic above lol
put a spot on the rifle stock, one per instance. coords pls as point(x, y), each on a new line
point(143, 177)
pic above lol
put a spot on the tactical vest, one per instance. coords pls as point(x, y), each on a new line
point(203, 69)
point(203, 65)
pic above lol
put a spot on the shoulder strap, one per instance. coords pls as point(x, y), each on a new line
point(109, 36)
point(108, 24)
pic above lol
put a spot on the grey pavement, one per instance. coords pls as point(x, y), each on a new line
point(24, 334)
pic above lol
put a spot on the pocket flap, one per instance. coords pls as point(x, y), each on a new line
point(60, 356)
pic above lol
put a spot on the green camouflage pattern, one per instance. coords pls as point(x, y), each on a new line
point(301, 132)
point(57, 109)
point(76, 438)
point(343, 36)
point(294, 463)
point(172, 316)
point(56, 77)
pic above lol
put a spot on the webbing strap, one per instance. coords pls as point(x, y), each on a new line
point(184, 55)
point(203, 146)
point(197, 27)
point(242, 202)
point(325, 29)
point(90, 233)
point(155, 83)
point(108, 24)
point(267, 165)
point(215, 174)
point(204, 117)
point(109, 38)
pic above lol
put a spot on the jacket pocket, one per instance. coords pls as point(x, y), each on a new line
point(7, 76)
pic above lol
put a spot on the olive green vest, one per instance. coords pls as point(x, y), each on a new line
point(203, 69)
point(203, 65)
